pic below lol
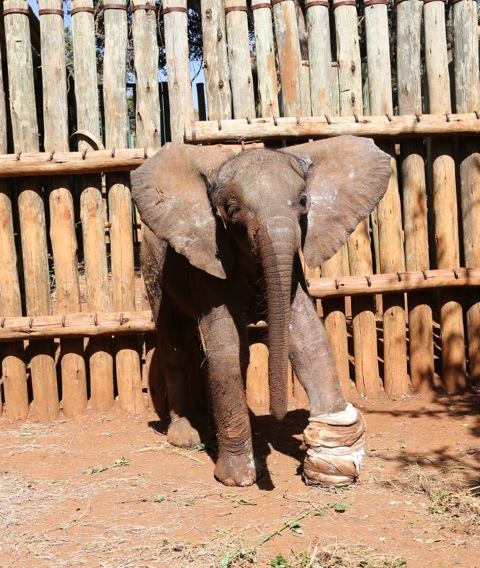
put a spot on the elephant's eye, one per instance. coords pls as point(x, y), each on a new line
point(303, 201)
point(232, 209)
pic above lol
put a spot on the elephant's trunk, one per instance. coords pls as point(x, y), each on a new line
point(277, 245)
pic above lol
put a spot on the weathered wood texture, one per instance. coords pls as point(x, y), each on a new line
point(289, 57)
point(265, 52)
point(239, 58)
point(367, 377)
point(127, 358)
point(390, 231)
point(179, 88)
point(467, 99)
point(381, 126)
point(31, 206)
point(92, 208)
point(215, 60)
point(420, 319)
point(320, 59)
point(444, 197)
point(13, 370)
point(62, 216)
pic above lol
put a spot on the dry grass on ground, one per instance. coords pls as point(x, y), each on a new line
point(110, 492)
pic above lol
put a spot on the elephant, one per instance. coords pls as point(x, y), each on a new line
point(224, 231)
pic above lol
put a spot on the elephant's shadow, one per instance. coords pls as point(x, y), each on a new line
point(266, 432)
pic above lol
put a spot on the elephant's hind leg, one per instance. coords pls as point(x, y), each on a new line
point(175, 336)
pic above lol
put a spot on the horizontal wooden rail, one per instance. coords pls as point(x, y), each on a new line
point(116, 323)
point(24, 164)
point(76, 325)
point(325, 127)
point(395, 282)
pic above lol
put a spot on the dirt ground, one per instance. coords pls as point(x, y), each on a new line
point(108, 491)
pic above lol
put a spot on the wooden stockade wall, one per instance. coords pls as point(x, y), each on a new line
point(401, 301)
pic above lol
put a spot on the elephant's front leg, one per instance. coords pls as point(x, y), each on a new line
point(335, 434)
point(223, 349)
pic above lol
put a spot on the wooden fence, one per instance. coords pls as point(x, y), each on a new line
point(401, 301)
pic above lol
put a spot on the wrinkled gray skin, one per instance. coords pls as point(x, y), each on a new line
point(221, 250)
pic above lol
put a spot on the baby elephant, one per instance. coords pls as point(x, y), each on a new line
point(223, 233)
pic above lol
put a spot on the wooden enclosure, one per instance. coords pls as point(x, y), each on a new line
point(401, 301)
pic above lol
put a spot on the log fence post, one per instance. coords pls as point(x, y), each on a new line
point(127, 358)
point(31, 207)
point(92, 207)
point(444, 197)
point(62, 216)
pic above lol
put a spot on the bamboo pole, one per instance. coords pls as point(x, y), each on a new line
point(420, 319)
point(62, 216)
point(92, 209)
point(467, 98)
point(367, 377)
point(444, 197)
point(30, 206)
point(289, 56)
point(265, 50)
point(320, 60)
point(176, 48)
point(381, 126)
point(243, 97)
point(215, 60)
point(13, 368)
point(127, 359)
point(389, 217)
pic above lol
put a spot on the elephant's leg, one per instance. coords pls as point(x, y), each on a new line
point(174, 341)
point(312, 359)
point(335, 434)
point(225, 359)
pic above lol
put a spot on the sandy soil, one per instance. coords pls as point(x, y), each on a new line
point(108, 491)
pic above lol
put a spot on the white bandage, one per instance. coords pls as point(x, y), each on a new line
point(334, 447)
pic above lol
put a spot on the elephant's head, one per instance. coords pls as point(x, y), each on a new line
point(310, 196)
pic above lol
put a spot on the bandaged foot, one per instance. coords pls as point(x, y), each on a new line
point(334, 448)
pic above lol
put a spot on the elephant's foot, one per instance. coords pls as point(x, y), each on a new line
point(235, 469)
point(182, 434)
point(334, 448)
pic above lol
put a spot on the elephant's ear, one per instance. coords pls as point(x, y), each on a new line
point(346, 180)
point(170, 191)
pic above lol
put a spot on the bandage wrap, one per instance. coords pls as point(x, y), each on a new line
point(334, 448)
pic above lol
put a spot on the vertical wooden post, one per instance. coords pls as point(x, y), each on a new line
point(147, 113)
point(367, 377)
point(390, 231)
point(467, 99)
point(215, 60)
point(13, 368)
point(420, 321)
point(320, 58)
point(62, 217)
point(444, 197)
point(30, 205)
point(148, 135)
point(258, 396)
point(239, 58)
point(265, 49)
point(127, 358)
point(289, 56)
point(176, 48)
point(320, 67)
point(92, 210)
